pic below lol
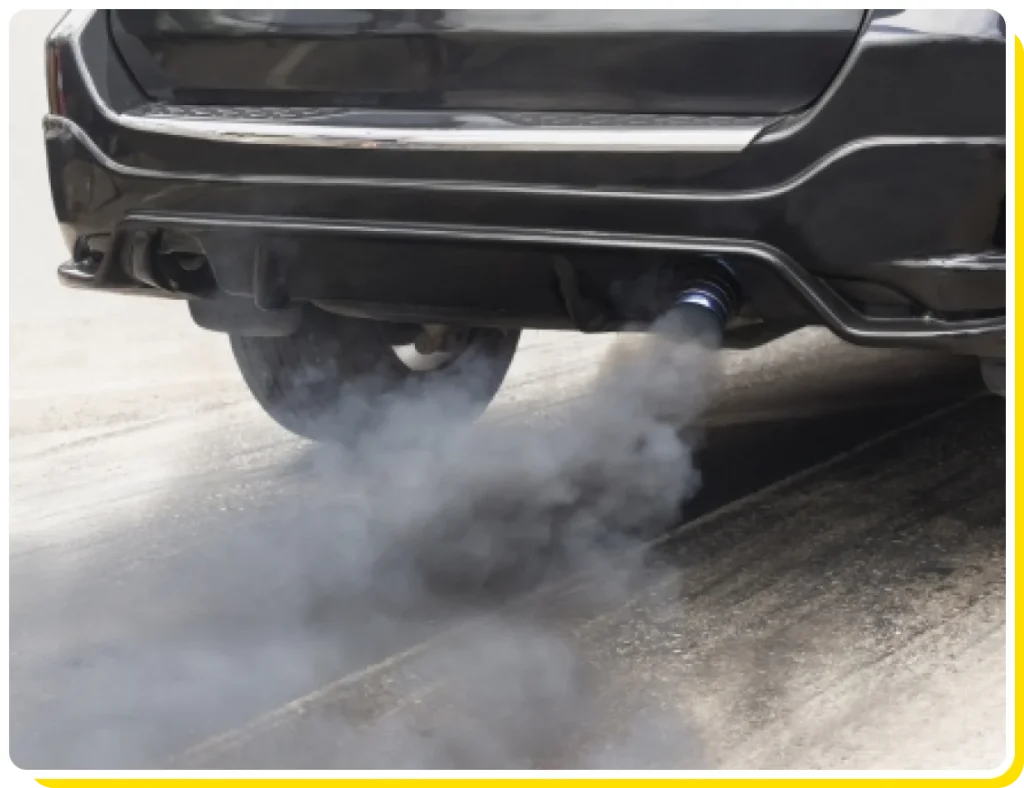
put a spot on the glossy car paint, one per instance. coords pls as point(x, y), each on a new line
point(720, 62)
point(900, 162)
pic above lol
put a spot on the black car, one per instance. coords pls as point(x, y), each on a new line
point(338, 189)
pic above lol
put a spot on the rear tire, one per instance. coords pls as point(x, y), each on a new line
point(336, 378)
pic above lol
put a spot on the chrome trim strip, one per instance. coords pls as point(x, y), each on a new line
point(764, 193)
point(680, 139)
point(837, 314)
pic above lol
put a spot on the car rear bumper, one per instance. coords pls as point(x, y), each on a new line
point(876, 211)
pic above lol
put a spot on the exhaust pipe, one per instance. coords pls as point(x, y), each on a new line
point(703, 309)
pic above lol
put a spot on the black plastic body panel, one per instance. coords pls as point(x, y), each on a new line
point(671, 61)
point(901, 161)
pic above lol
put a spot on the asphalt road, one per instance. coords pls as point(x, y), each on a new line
point(192, 587)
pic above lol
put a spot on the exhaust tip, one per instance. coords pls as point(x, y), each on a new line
point(704, 307)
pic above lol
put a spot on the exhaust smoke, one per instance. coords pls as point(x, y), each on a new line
point(428, 525)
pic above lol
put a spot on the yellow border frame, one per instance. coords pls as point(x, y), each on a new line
point(1008, 777)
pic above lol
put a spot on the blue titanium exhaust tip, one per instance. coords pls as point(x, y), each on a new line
point(705, 306)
